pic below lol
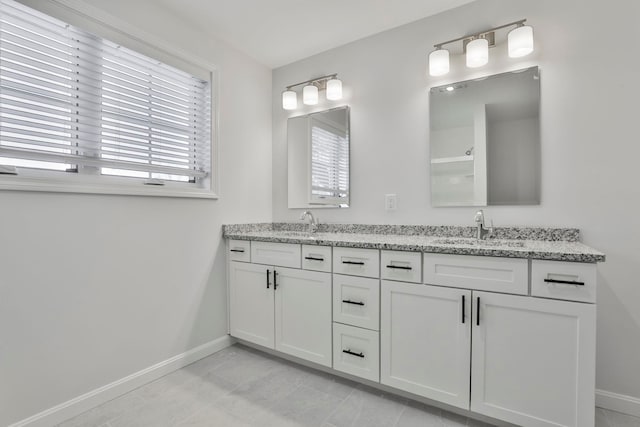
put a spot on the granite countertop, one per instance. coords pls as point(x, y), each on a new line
point(559, 244)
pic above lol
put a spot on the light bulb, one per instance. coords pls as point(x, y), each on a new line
point(289, 100)
point(520, 41)
point(310, 95)
point(334, 89)
point(477, 53)
point(439, 62)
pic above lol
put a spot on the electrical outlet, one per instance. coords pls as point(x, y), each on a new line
point(390, 202)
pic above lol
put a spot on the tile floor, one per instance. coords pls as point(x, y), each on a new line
point(241, 387)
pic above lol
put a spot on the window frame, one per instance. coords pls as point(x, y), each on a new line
point(101, 24)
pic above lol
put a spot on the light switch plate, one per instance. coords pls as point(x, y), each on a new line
point(390, 202)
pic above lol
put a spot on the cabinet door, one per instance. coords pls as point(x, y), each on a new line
point(533, 360)
point(251, 302)
point(303, 314)
point(425, 334)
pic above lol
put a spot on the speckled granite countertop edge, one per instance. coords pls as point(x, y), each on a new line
point(556, 250)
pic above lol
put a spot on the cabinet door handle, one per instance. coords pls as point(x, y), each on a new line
point(312, 258)
point(348, 351)
point(565, 282)
point(348, 301)
point(478, 313)
point(275, 280)
point(463, 309)
point(236, 250)
point(268, 273)
point(353, 262)
point(400, 267)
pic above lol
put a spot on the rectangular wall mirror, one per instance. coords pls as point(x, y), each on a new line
point(485, 141)
point(318, 159)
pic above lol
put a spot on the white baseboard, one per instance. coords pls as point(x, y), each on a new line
point(618, 402)
point(80, 404)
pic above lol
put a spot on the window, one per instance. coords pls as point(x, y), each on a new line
point(77, 107)
point(329, 161)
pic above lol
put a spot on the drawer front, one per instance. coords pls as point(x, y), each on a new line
point(571, 281)
point(506, 275)
point(402, 266)
point(317, 258)
point(356, 351)
point(278, 254)
point(356, 262)
point(356, 301)
point(239, 250)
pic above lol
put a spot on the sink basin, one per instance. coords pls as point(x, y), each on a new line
point(475, 242)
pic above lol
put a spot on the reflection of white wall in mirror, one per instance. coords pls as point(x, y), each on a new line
point(451, 142)
point(298, 160)
point(513, 146)
point(480, 155)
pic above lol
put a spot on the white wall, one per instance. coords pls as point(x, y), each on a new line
point(590, 150)
point(94, 288)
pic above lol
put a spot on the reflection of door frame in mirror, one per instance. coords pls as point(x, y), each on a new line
point(300, 192)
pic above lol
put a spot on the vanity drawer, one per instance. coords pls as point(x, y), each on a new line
point(239, 250)
point(506, 275)
point(356, 262)
point(356, 351)
point(356, 301)
point(277, 254)
point(571, 281)
point(317, 258)
point(402, 266)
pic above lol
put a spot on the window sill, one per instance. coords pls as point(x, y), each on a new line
point(9, 183)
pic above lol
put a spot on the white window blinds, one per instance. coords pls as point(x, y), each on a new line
point(329, 162)
point(71, 101)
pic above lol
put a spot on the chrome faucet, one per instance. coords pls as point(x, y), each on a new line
point(482, 232)
point(313, 224)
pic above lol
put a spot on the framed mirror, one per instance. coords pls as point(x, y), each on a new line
point(485, 141)
point(318, 159)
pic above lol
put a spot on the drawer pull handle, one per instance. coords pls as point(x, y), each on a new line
point(565, 282)
point(353, 353)
point(237, 250)
point(312, 258)
point(400, 267)
point(268, 273)
point(275, 280)
point(348, 301)
point(478, 313)
point(463, 309)
point(353, 262)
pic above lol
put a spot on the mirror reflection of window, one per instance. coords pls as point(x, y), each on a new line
point(318, 159)
point(329, 161)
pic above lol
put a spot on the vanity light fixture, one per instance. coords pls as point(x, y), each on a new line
point(476, 47)
point(310, 95)
point(310, 91)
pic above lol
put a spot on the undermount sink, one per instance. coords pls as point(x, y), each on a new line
point(476, 242)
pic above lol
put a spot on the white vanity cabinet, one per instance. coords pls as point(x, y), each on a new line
point(526, 360)
point(282, 308)
point(533, 360)
point(425, 336)
point(509, 338)
point(251, 303)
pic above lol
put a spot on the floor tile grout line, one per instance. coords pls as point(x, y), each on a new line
point(326, 419)
point(404, 408)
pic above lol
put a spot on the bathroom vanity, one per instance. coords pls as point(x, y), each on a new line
point(503, 327)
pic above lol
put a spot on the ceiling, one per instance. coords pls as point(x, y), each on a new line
point(278, 32)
